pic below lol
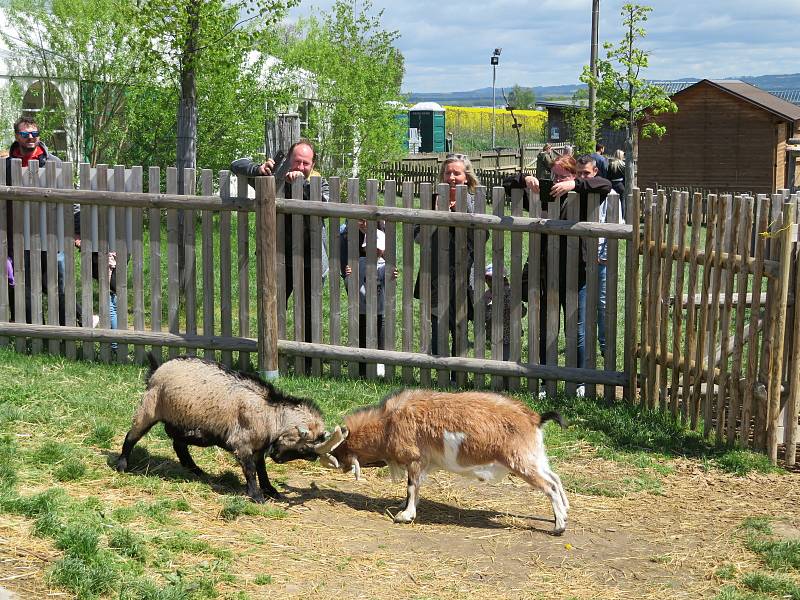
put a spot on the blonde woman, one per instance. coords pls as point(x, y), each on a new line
point(455, 170)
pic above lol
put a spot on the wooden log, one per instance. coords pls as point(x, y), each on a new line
point(478, 303)
point(571, 300)
point(666, 285)
point(776, 356)
point(724, 397)
point(515, 318)
point(442, 310)
point(688, 413)
point(712, 406)
point(267, 278)
point(121, 276)
point(553, 306)
point(711, 220)
point(390, 285)
point(104, 218)
point(648, 346)
point(154, 187)
point(611, 296)
point(243, 270)
point(462, 287)
point(35, 254)
point(353, 278)
point(592, 294)
point(225, 277)
point(334, 277)
point(316, 231)
point(298, 275)
point(632, 253)
point(137, 264)
point(407, 305)
point(498, 272)
point(173, 270)
point(208, 284)
point(734, 431)
point(426, 200)
point(371, 280)
point(534, 291)
point(51, 245)
point(753, 353)
point(654, 368)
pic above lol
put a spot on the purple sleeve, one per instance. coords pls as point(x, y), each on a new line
point(10, 270)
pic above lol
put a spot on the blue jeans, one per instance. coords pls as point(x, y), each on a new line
point(601, 316)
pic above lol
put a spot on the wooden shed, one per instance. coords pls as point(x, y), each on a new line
point(727, 136)
point(559, 131)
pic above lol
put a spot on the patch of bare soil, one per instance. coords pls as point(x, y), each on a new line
point(471, 540)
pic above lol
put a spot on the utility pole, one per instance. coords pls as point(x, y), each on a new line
point(494, 60)
point(593, 66)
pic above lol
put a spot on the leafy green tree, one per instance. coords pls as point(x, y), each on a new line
point(579, 122)
point(521, 98)
point(625, 100)
point(202, 51)
point(357, 74)
point(87, 42)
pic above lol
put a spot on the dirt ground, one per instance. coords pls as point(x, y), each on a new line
point(473, 540)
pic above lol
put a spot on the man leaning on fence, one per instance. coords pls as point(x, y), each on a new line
point(28, 147)
point(301, 158)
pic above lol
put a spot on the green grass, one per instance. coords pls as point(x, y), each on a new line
point(776, 554)
point(62, 416)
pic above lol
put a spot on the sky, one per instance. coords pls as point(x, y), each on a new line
point(447, 45)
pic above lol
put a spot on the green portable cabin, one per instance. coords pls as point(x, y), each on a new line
point(428, 119)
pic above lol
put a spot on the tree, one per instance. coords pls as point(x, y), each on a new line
point(624, 99)
point(357, 74)
point(87, 43)
point(579, 121)
point(521, 98)
point(202, 43)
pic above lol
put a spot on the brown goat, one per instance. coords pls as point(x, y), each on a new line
point(476, 434)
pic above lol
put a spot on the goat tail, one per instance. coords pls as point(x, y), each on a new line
point(552, 416)
point(153, 365)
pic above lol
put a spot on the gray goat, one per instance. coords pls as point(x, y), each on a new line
point(203, 403)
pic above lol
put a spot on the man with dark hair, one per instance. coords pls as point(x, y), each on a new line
point(28, 146)
point(600, 160)
point(301, 158)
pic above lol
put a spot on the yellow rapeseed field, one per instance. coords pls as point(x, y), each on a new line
point(469, 120)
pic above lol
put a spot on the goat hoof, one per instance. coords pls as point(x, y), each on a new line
point(403, 518)
point(559, 530)
point(274, 494)
point(122, 465)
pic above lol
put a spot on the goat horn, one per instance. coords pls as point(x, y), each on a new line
point(336, 438)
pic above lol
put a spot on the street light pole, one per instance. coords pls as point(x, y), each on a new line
point(593, 67)
point(494, 60)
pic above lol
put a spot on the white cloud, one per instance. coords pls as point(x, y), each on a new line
point(447, 45)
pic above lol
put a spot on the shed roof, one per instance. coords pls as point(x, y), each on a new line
point(427, 106)
point(756, 96)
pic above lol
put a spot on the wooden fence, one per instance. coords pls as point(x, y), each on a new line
point(716, 343)
point(216, 308)
point(719, 326)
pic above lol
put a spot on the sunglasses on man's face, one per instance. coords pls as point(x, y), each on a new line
point(28, 134)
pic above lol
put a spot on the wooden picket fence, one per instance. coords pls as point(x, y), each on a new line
point(214, 305)
point(717, 343)
point(719, 331)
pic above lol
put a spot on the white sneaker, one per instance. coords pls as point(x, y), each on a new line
point(542, 393)
point(380, 370)
point(581, 391)
point(95, 321)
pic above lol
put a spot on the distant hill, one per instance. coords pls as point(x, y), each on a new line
point(483, 96)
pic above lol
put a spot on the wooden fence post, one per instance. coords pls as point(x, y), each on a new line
point(776, 359)
point(267, 273)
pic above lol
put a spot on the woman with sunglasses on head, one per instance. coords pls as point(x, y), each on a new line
point(455, 170)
